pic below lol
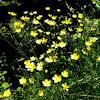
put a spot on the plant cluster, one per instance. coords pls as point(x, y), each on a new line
point(59, 55)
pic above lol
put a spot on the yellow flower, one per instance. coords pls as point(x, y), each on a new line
point(79, 35)
point(25, 18)
point(13, 14)
point(7, 93)
point(70, 29)
point(40, 30)
point(49, 59)
point(18, 30)
point(98, 58)
point(49, 15)
point(44, 40)
point(62, 44)
point(31, 80)
point(21, 59)
point(34, 33)
point(75, 56)
point(59, 38)
point(75, 49)
point(22, 25)
point(67, 21)
point(46, 83)
point(46, 70)
point(84, 52)
point(50, 50)
point(25, 12)
point(40, 66)
point(88, 43)
point(56, 78)
point(9, 12)
point(39, 41)
point(79, 20)
point(27, 62)
point(65, 86)
point(39, 17)
point(30, 66)
point(74, 16)
point(54, 58)
point(35, 21)
point(81, 24)
point(80, 15)
point(58, 10)
point(47, 8)
point(32, 58)
point(62, 32)
point(54, 17)
point(79, 29)
point(17, 23)
point(92, 28)
point(42, 56)
point(88, 48)
point(65, 73)
point(40, 92)
point(93, 39)
point(23, 80)
point(31, 13)
point(52, 22)
point(47, 33)
point(35, 12)
point(1, 95)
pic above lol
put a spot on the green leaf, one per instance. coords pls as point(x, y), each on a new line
point(5, 85)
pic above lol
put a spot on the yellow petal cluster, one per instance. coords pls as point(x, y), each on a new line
point(56, 78)
point(22, 81)
point(46, 83)
point(75, 56)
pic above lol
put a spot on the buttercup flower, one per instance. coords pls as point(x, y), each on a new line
point(65, 73)
point(23, 80)
point(42, 56)
point(88, 43)
point(93, 39)
point(46, 83)
point(31, 80)
point(35, 21)
point(40, 66)
point(35, 12)
point(74, 16)
point(88, 48)
point(31, 13)
point(47, 8)
point(46, 70)
point(25, 12)
point(56, 78)
point(65, 86)
point(39, 41)
point(80, 15)
point(18, 30)
point(40, 92)
point(58, 10)
point(54, 17)
point(62, 32)
point(62, 44)
point(98, 58)
point(7, 93)
point(79, 29)
point(75, 56)
point(32, 58)
point(34, 33)
point(59, 38)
